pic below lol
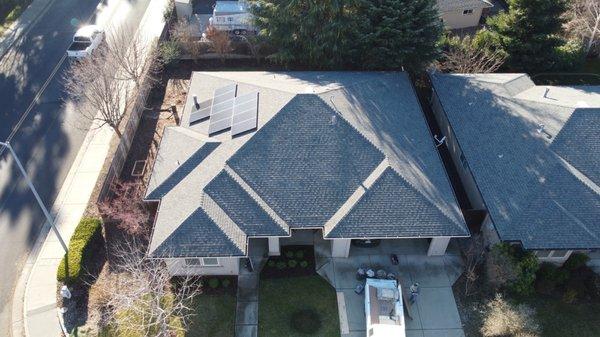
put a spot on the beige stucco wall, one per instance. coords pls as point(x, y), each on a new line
point(465, 175)
point(228, 266)
point(456, 19)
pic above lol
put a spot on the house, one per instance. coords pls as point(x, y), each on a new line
point(343, 155)
point(457, 14)
point(528, 155)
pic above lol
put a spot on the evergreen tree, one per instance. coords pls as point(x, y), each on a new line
point(403, 33)
point(529, 34)
point(315, 33)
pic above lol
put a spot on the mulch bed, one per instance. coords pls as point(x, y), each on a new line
point(280, 266)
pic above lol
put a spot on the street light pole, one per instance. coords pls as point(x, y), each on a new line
point(37, 196)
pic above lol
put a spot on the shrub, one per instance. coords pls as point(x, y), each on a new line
point(169, 52)
point(300, 254)
point(226, 283)
point(292, 263)
point(213, 283)
point(289, 254)
point(72, 267)
point(499, 267)
point(281, 265)
point(271, 263)
point(549, 277)
point(512, 267)
point(593, 286)
point(306, 321)
point(303, 263)
point(570, 296)
point(502, 318)
point(527, 266)
point(576, 261)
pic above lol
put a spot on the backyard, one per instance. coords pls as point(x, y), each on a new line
point(289, 306)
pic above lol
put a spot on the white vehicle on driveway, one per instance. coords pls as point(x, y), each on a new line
point(85, 41)
point(383, 308)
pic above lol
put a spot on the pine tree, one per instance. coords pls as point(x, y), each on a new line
point(403, 33)
point(529, 34)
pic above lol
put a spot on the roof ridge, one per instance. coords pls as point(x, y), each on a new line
point(346, 207)
point(257, 198)
point(211, 74)
point(221, 219)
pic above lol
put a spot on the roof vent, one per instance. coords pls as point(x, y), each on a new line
point(541, 130)
point(333, 120)
point(196, 104)
point(439, 142)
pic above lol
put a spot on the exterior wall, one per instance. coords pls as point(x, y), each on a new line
point(340, 247)
point(490, 236)
point(455, 152)
point(457, 20)
point(437, 246)
point(227, 266)
point(274, 247)
point(551, 258)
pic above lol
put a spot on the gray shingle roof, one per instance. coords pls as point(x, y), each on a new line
point(311, 161)
point(308, 164)
point(540, 190)
point(197, 236)
point(455, 5)
point(392, 208)
point(179, 173)
point(241, 208)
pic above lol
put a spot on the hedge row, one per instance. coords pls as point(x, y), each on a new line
point(71, 268)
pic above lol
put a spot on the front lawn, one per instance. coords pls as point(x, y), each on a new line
point(283, 300)
point(214, 315)
point(559, 319)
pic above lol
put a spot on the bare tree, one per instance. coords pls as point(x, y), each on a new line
point(135, 55)
point(183, 33)
point(142, 297)
point(127, 208)
point(474, 257)
point(584, 22)
point(221, 43)
point(100, 96)
point(254, 45)
point(463, 56)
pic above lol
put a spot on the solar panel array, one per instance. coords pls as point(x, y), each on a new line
point(222, 108)
point(245, 113)
point(227, 110)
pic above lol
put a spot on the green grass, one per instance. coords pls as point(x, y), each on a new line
point(279, 298)
point(214, 316)
point(558, 319)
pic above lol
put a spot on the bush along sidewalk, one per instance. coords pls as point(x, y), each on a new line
point(87, 236)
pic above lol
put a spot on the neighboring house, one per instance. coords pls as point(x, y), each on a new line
point(528, 155)
point(457, 14)
point(341, 155)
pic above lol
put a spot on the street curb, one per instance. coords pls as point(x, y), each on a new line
point(14, 33)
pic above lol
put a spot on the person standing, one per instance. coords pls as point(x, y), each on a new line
point(414, 292)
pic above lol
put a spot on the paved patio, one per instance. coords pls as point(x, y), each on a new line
point(435, 313)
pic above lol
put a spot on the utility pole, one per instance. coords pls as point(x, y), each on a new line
point(37, 196)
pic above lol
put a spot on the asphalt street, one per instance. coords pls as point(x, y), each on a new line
point(45, 130)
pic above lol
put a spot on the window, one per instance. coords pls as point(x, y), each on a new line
point(210, 261)
point(551, 254)
point(467, 12)
point(559, 253)
point(202, 262)
point(192, 262)
point(543, 253)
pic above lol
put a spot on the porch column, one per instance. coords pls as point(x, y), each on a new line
point(274, 246)
point(340, 248)
point(438, 246)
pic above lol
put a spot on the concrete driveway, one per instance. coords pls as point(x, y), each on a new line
point(435, 313)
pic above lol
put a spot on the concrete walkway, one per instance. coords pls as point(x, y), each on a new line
point(246, 313)
point(38, 285)
point(435, 313)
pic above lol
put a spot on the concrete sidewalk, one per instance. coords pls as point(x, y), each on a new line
point(27, 19)
point(38, 286)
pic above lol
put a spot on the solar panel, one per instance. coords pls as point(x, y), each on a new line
point(200, 111)
point(245, 113)
point(222, 108)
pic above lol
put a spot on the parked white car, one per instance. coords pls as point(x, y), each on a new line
point(384, 309)
point(85, 41)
